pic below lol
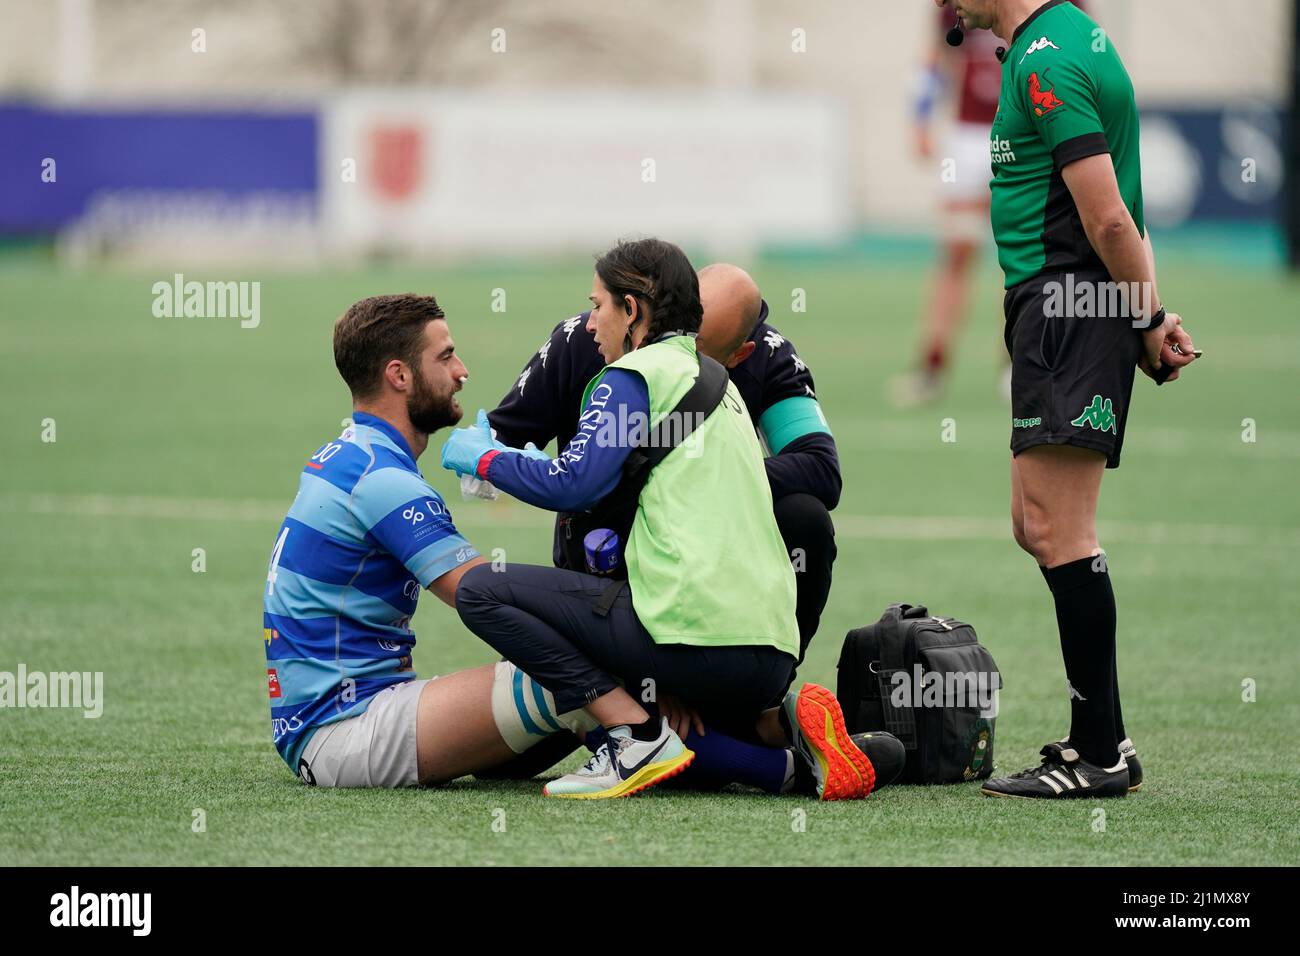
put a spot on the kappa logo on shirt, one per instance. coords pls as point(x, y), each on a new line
point(1042, 43)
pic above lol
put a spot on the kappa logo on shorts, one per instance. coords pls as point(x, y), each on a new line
point(1098, 415)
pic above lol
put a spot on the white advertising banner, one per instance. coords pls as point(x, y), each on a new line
point(447, 173)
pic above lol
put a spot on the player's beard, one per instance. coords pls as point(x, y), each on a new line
point(428, 411)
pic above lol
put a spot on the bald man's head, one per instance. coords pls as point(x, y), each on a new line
point(731, 303)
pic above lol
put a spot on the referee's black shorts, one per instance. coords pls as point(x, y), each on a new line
point(1071, 375)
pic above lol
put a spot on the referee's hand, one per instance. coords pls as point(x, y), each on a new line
point(1158, 348)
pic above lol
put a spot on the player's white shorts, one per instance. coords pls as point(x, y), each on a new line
point(967, 144)
point(374, 749)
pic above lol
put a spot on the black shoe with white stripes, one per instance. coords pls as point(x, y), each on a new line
point(1062, 774)
point(1130, 755)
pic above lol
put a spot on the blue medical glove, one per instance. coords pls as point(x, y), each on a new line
point(532, 451)
point(463, 449)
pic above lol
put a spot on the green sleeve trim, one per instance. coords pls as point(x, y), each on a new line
point(792, 418)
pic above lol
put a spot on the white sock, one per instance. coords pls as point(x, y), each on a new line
point(524, 710)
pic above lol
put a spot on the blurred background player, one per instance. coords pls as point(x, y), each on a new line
point(969, 76)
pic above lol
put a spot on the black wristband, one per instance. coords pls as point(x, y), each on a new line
point(1156, 320)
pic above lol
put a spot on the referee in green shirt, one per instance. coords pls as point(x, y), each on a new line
point(1082, 313)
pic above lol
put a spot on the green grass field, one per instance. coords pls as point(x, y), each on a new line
point(177, 434)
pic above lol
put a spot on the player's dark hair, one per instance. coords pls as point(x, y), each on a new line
point(659, 276)
point(375, 331)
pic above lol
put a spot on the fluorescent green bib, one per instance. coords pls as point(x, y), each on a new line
point(705, 560)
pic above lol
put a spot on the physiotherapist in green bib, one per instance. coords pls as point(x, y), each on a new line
point(706, 622)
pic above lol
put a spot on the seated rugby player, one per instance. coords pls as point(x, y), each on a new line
point(363, 537)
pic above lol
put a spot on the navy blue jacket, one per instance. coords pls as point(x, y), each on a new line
point(545, 404)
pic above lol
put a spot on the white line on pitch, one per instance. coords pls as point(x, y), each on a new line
point(506, 514)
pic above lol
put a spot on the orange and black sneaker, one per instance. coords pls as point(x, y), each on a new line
point(816, 725)
point(886, 753)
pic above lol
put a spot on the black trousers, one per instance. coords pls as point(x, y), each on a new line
point(561, 628)
point(809, 538)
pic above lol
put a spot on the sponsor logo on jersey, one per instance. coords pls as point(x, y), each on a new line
point(273, 682)
point(280, 726)
point(1044, 100)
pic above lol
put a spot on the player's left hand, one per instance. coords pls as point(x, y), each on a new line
point(1158, 348)
point(681, 718)
point(465, 446)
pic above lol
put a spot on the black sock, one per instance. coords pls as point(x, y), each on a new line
point(1120, 733)
point(1085, 617)
point(1119, 713)
point(647, 730)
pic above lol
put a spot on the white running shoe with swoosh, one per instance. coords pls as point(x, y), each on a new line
point(624, 765)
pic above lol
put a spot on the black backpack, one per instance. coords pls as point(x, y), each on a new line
point(618, 508)
point(945, 721)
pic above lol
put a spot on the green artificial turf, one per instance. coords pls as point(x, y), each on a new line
point(177, 434)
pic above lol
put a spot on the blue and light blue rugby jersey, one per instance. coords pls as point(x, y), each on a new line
point(363, 537)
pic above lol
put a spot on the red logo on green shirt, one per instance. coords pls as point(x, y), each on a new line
point(1044, 100)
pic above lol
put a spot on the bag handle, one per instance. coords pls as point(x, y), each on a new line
point(891, 639)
